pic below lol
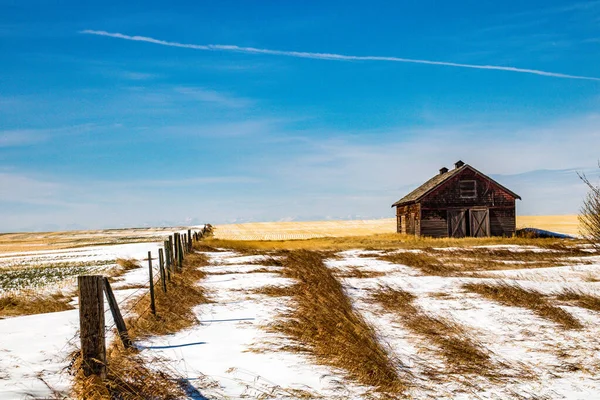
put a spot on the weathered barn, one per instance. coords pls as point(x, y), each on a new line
point(458, 203)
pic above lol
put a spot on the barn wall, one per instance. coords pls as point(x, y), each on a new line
point(434, 223)
point(412, 215)
point(502, 222)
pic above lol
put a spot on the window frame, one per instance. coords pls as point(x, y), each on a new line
point(461, 190)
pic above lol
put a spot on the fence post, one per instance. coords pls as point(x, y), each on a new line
point(91, 325)
point(116, 314)
point(176, 246)
point(152, 304)
point(179, 253)
point(189, 240)
point(161, 265)
point(168, 259)
point(171, 249)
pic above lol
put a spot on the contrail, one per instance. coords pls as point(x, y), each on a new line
point(329, 56)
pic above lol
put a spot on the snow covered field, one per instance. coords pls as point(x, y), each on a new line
point(233, 353)
point(35, 349)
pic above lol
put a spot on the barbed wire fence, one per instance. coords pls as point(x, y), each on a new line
point(93, 289)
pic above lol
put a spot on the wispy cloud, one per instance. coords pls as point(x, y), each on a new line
point(212, 96)
point(329, 56)
point(22, 137)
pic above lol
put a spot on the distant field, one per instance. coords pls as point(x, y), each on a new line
point(45, 241)
point(556, 223)
point(315, 229)
point(303, 230)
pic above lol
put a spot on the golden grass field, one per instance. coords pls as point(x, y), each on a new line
point(567, 224)
point(42, 241)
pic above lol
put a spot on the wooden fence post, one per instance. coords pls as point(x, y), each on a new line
point(171, 249)
point(189, 240)
point(150, 272)
point(176, 246)
point(91, 325)
point(116, 314)
point(168, 260)
point(161, 265)
point(180, 253)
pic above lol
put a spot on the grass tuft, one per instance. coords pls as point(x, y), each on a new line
point(517, 296)
point(127, 264)
point(174, 308)
point(128, 378)
point(583, 300)
point(26, 303)
point(461, 353)
point(325, 324)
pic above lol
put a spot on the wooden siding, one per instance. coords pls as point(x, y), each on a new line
point(434, 223)
point(503, 222)
point(412, 217)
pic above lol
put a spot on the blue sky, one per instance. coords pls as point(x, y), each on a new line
point(100, 130)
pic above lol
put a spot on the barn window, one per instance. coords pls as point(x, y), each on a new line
point(468, 189)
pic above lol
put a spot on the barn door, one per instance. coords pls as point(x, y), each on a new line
point(457, 225)
point(480, 223)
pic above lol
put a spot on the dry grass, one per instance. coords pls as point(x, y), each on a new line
point(391, 241)
point(324, 324)
point(583, 300)
point(356, 272)
point(274, 291)
point(127, 264)
point(461, 353)
point(591, 277)
point(128, 377)
point(516, 296)
point(457, 261)
point(427, 264)
point(174, 308)
point(26, 303)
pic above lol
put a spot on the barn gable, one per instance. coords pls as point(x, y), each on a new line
point(441, 180)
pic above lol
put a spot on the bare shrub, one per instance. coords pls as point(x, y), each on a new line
point(589, 217)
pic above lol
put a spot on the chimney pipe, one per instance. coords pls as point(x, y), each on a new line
point(443, 170)
point(458, 164)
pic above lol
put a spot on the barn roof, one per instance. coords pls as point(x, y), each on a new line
point(437, 180)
